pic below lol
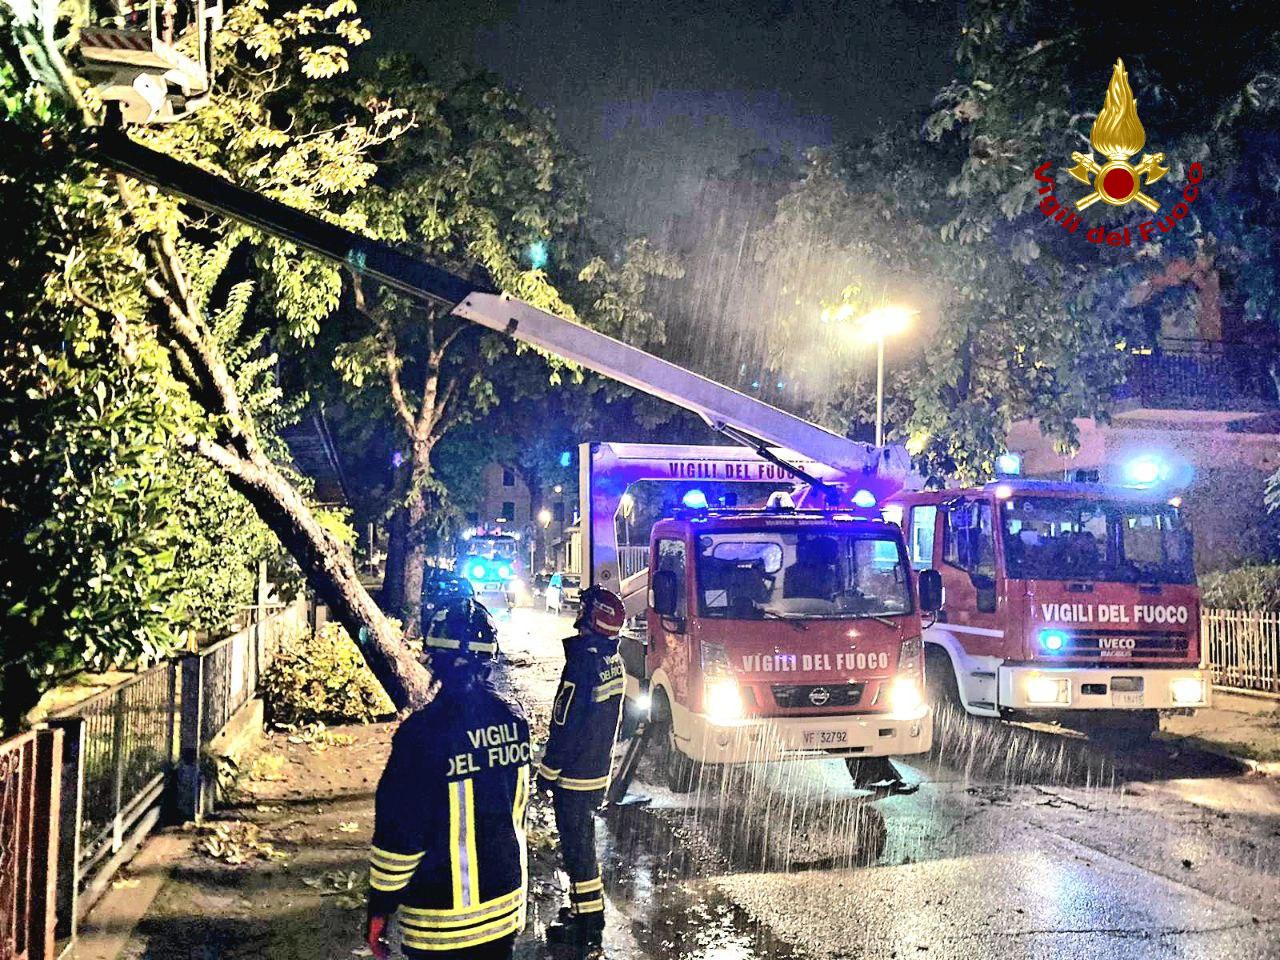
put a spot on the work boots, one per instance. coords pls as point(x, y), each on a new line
point(576, 935)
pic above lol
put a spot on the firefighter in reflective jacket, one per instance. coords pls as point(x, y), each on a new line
point(449, 828)
point(575, 765)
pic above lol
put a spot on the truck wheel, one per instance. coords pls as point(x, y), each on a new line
point(940, 678)
point(865, 771)
point(1124, 729)
point(680, 773)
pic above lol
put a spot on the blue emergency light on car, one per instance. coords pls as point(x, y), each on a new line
point(865, 499)
point(1144, 471)
point(1053, 640)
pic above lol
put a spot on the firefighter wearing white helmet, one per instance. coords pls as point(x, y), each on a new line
point(576, 763)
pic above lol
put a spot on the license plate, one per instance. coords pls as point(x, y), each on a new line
point(826, 738)
point(1122, 699)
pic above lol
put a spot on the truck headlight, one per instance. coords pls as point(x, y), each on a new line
point(722, 699)
point(1187, 691)
point(906, 699)
point(1046, 690)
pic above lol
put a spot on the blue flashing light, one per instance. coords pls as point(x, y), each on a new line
point(1009, 465)
point(865, 499)
point(1053, 640)
point(695, 500)
point(538, 254)
point(566, 458)
point(1144, 471)
point(477, 572)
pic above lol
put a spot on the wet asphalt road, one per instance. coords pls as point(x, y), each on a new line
point(1017, 843)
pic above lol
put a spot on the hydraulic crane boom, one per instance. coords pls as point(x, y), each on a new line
point(737, 415)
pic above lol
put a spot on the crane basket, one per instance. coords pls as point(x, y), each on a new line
point(154, 59)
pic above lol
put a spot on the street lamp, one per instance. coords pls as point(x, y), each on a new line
point(544, 517)
point(886, 321)
point(626, 506)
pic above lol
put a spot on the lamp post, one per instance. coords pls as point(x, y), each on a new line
point(544, 520)
point(880, 323)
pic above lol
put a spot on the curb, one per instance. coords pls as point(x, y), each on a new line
point(1255, 768)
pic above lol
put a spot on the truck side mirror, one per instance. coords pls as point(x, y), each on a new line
point(666, 593)
point(931, 593)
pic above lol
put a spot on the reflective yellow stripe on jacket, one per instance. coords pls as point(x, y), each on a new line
point(424, 929)
point(390, 871)
point(463, 864)
point(614, 688)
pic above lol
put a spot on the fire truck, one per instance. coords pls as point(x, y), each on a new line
point(1068, 602)
point(790, 629)
point(770, 631)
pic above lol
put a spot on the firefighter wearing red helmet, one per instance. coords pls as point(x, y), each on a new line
point(576, 763)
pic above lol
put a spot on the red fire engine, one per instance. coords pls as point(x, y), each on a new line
point(1063, 601)
point(769, 631)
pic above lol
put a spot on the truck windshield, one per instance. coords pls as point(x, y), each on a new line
point(1058, 538)
point(757, 575)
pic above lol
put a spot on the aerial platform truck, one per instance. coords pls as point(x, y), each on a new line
point(789, 629)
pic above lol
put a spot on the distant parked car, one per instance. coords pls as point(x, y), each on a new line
point(563, 590)
point(438, 589)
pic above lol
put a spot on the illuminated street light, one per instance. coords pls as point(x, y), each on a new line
point(626, 503)
point(544, 517)
point(886, 321)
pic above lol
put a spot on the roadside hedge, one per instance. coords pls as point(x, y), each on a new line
point(322, 679)
point(1252, 587)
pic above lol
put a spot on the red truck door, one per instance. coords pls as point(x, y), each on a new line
point(974, 604)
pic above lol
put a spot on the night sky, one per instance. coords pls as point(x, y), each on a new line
point(655, 92)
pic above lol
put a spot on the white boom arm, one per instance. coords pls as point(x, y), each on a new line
point(719, 405)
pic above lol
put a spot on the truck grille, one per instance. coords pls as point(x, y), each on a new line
point(1112, 645)
point(817, 696)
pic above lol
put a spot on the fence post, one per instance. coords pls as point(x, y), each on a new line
point(190, 792)
point(118, 719)
point(44, 836)
point(70, 812)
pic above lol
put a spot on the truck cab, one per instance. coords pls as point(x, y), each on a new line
point(778, 632)
point(1063, 601)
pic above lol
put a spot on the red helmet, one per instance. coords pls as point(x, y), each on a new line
point(602, 611)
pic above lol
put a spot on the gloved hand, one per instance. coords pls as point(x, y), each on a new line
point(375, 936)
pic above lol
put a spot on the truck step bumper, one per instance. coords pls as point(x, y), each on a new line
point(1026, 687)
point(780, 738)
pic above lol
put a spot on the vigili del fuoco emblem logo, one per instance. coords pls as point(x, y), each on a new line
point(1118, 135)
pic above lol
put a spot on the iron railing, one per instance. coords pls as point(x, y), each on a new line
point(128, 750)
point(1203, 375)
point(29, 785)
point(632, 560)
point(1242, 649)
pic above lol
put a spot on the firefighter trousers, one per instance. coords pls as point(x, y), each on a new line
point(493, 950)
point(576, 821)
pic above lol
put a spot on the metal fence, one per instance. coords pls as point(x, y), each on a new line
point(29, 788)
point(232, 669)
point(1203, 375)
point(1242, 648)
point(127, 750)
point(78, 798)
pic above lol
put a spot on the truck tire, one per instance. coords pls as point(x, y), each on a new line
point(864, 771)
point(1124, 729)
point(679, 772)
point(940, 679)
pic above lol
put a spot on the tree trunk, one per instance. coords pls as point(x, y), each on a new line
point(328, 570)
point(392, 597)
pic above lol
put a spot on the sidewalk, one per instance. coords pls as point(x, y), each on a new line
point(1237, 724)
point(283, 873)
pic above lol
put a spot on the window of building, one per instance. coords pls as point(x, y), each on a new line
point(508, 510)
point(508, 477)
point(557, 511)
